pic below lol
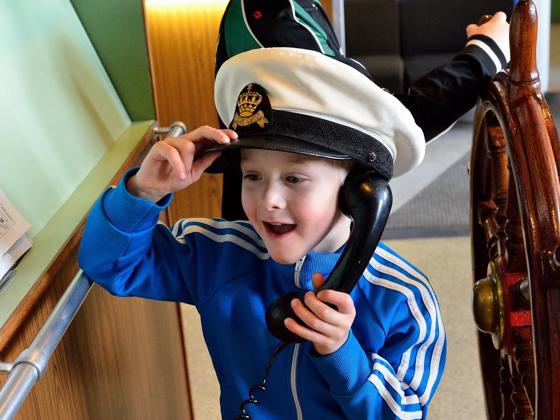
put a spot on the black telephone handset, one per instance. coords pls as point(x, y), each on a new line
point(366, 198)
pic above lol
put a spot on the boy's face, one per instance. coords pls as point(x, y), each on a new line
point(292, 201)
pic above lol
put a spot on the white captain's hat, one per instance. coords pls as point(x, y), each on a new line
point(301, 101)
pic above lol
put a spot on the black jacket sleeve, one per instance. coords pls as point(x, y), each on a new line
point(440, 97)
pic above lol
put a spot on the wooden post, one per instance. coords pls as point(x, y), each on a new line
point(182, 38)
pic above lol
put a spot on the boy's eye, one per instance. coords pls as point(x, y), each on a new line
point(251, 177)
point(293, 179)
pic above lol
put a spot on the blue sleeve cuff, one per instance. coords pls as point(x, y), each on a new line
point(346, 369)
point(128, 212)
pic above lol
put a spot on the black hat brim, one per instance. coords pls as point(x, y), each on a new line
point(229, 158)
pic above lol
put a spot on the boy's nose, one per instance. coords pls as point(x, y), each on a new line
point(273, 199)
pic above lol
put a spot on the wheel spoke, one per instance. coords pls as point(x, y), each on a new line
point(500, 303)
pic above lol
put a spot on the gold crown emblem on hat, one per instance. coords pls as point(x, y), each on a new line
point(247, 105)
point(248, 102)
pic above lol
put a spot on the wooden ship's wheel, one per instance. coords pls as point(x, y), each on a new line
point(515, 231)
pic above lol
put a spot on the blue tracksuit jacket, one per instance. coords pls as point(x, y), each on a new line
point(389, 367)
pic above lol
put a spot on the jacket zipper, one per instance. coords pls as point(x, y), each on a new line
point(297, 271)
point(293, 370)
point(293, 381)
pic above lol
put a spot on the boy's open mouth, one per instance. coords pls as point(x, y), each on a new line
point(279, 228)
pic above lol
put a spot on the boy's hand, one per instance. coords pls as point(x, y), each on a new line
point(326, 328)
point(496, 28)
point(170, 166)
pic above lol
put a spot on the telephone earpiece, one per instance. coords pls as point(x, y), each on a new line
point(366, 198)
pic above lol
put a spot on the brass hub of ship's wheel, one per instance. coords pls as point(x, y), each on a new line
point(488, 304)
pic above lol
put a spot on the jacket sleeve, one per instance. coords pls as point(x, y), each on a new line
point(395, 379)
point(125, 251)
point(439, 98)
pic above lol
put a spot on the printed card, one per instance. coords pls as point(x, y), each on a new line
point(12, 224)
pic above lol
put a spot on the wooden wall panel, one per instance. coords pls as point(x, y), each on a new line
point(182, 38)
point(120, 359)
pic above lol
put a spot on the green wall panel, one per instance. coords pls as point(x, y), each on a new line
point(116, 30)
point(65, 130)
point(59, 112)
point(556, 10)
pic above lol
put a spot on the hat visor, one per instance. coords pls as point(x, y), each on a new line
point(229, 159)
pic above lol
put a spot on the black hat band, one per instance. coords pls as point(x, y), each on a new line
point(357, 145)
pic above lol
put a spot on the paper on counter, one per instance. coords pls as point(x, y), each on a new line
point(12, 224)
point(10, 257)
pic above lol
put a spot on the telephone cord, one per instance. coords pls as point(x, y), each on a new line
point(261, 386)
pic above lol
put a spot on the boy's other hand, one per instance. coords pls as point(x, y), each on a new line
point(326, 327)
point(170, 164)
point(496, 28)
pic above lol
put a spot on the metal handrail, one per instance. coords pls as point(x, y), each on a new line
point(32, 362)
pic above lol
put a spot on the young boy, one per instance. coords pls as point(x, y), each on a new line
point(303, 121)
